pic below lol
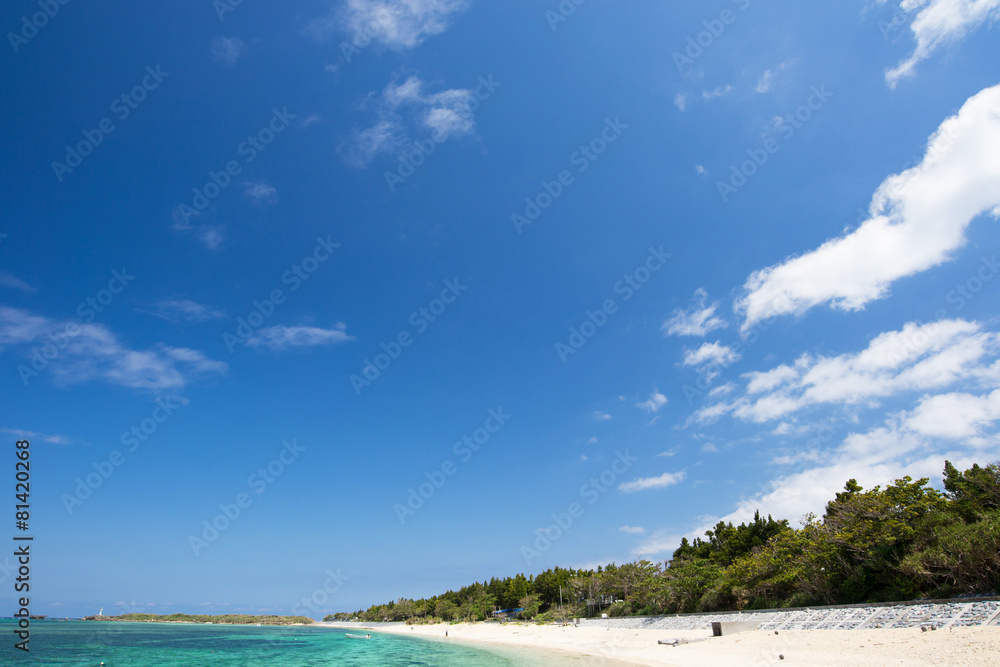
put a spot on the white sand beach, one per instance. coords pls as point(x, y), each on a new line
point(978, 646)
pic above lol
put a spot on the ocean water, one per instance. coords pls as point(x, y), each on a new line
point(90, 643)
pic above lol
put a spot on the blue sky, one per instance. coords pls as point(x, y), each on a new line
point(394, 293)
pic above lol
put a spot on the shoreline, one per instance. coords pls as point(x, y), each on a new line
point(964, 646)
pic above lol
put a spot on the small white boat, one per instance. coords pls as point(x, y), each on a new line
point(350, 636)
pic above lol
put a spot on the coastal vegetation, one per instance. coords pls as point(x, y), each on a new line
point(228, 619)
point(902, 542)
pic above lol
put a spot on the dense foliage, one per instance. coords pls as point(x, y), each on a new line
point(905, 541)
point(231, 619)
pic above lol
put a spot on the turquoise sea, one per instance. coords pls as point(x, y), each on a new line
point(88, 643)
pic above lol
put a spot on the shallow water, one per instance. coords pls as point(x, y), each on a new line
point(91, 643)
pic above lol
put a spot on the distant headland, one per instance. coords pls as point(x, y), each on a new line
point(224, 619)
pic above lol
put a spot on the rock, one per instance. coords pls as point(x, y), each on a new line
point(781, 656)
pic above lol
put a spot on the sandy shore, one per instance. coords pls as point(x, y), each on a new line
point(978, 646)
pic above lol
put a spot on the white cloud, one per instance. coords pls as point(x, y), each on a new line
point(282, 337)
point(94, 353)
point(13, 282)
point(646, 483)
point(228, 50)
point(709, 448)
point(680, 101)
point(914, 443)
point(668, 453)
point(722, 390)
point(212, 237)
point(261, 192)
point(655, 402)
point(721, 91)
point(602, 416)
point(959, 427)
point(176, 310)
point(940, 22)
point(710, 353)
point(696, 320)
point(398, 24)
point(699, 169)
point(915, 358)
point(383, 137)
point(444, 115)
point(765, 82)
point(55, 439)
point(592, 441)
point(632, 530)
point(918, 219)
point(955, 416)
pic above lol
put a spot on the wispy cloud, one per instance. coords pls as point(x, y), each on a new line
point(940, 22)
point(445, 114)
point(95, 354)
point(715, 93)
point(602, 416)
point(710, 353)
point(228, 50)
point(8, 280)
point(646, 483)
point(914, 358)
point(281, 337)
point(632, 530)
point(397, 24)
point(177, 310)
point(697, 320)
point(918, 219)
point(261, 193)
point(765, 82)
point(655, 402)
point(55, 439)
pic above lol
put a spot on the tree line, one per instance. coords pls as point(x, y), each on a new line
point(902, 542)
